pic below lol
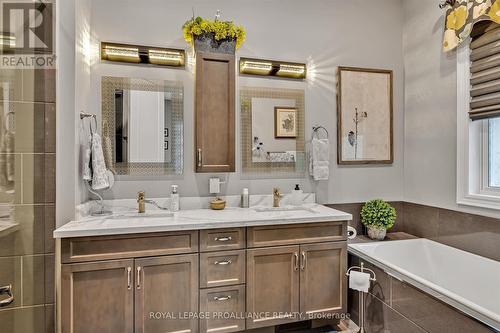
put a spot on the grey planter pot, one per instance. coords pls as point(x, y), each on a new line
point(207, 43)
point(376, 233)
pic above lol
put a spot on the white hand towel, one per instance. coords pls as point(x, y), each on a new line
point(319, 164)
point(99, 171)
point(86, 155)
point(359, 281)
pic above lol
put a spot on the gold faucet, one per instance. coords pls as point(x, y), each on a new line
point(276, 197)
point(141, 201)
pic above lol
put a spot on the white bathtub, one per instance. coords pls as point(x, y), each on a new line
point(468, 282)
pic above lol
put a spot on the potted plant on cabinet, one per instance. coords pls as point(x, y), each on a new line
point(378, 216)
point(213, 36)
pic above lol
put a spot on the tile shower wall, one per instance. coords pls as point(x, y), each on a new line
point(27, 197)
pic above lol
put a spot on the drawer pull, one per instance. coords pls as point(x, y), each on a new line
point(223, 262)
point(222, 298)
point(303, 263)
point(296, 261)
point(223, 239)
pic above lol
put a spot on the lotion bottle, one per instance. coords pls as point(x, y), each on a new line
point(297, 196)
point(245, 199)
point(174, 199)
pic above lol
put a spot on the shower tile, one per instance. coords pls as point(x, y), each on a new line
point(29, 127)
point(10, 273)
point(25, 320)
point(39, 85)
point(38, 178)
point(11, 84)
point(421, 221)
point(50, 325)
point(49, 278)
point(26, 239)
point(50, 128)
point(50, 225)
point(33, 280)
point(429, 313)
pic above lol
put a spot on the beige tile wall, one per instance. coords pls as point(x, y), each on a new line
point(27, 199)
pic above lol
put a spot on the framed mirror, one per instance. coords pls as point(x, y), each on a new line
point(272, 131)
point(142, 126)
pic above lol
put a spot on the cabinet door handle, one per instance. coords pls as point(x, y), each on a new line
point(200, 161)
point(129, 278)
point(7, 290)
point(223, 239)
point(222, 298)
point(139, 278)
point(296, 261)
point(223, 262)
point(303, 261)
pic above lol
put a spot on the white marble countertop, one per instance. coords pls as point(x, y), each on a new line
point(196, 219)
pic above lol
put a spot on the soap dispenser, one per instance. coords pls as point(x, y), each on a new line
point(174, 199)
point(296, 196)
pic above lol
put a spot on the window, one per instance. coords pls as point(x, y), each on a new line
point(493, 162)
point(478, 119)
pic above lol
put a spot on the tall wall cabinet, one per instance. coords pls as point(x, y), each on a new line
point(215, 112)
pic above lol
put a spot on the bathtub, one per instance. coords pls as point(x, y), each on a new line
point(466, 281)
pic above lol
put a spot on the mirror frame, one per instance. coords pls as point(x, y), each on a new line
point(271, 169)
point(109, 85)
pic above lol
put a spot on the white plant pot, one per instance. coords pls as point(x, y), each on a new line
point(376, 233)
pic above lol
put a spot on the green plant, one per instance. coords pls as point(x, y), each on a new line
point(221, 30)
point(378, 213)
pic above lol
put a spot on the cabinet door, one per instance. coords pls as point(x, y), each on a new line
point(272, 286)
point(215, 119)
point(322, 278)
point(166, 291)
point(98, 297)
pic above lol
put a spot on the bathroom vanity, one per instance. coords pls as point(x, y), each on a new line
point(203, 270)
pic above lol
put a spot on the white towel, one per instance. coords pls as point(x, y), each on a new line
point(359, 281)
point(87, 162)
point(319, 164)
point(99, 172)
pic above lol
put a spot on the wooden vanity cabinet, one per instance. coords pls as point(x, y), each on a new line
point(215, 112)
point(166, 285)
point(98, 297)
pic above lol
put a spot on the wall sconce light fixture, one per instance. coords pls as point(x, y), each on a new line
point(272, 68)
point(142, 54)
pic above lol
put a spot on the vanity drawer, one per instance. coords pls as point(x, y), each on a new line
point(222, 239)
point(222, 268)
point(229, 301)
point(296, 234)
point(85, 249)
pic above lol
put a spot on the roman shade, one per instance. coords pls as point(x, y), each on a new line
point(462, 15)
point(485, 75)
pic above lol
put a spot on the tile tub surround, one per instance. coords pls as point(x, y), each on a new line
point(27, 251)
point(398, 307)
point(472, 233)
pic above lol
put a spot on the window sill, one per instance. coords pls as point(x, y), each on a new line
point(481, 201)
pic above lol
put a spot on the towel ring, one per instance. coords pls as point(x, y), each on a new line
point(316, 131)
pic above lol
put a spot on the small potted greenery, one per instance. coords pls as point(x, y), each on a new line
point(213, 36)
point(378, 216)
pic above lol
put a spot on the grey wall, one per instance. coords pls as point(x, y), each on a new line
point(323, 33)
point(430, 110)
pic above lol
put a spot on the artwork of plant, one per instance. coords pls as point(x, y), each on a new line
point(221, 29)
point(288, 123)
point(352, 136)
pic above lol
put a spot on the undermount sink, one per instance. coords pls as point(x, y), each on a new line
point(283, 209)
point(147, 215)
